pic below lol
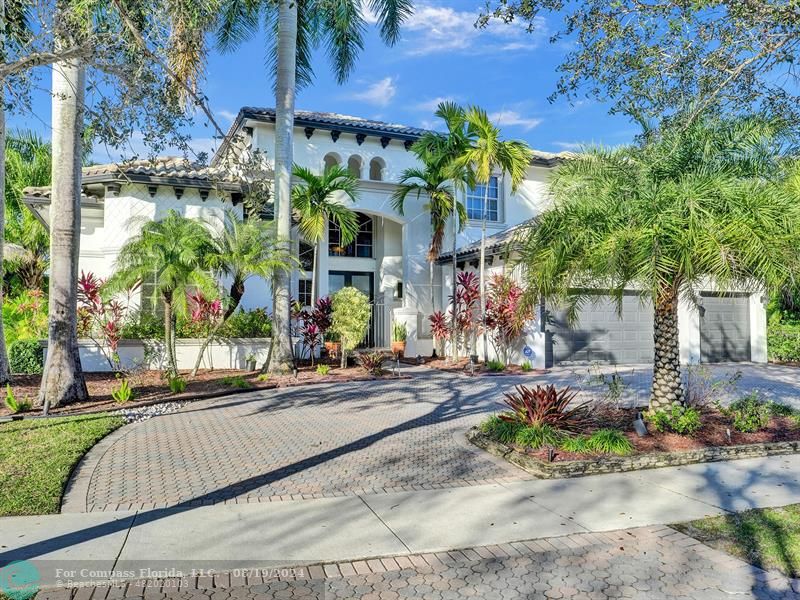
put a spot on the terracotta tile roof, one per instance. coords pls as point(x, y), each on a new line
point(495, 244)
point(174, 167)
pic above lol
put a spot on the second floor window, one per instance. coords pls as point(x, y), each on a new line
point(360, 248)
point(475, 200)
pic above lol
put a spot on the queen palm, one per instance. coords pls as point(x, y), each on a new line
point(316, 200)
point(242, 249)
point(175, 254)
point(298, 28)
point(433, 180)
point(685, 208)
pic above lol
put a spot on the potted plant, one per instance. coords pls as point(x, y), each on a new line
point(332, 345)
point(399, 334)
point(250, 362)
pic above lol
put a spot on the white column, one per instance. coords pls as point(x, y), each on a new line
point(758, 329)
point(322, 265)
point(689, 331)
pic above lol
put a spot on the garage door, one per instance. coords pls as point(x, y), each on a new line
point(600, 335)
point(724, 328)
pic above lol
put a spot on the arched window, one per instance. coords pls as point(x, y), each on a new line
point(376, 168)
point(331, 160)
point(354, 166)
point(361, 247)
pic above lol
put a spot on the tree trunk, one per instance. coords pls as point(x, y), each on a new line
point(314, 276)
point(482, 277)
point(4, 371)
point(284, 124)
point(667, 385)
point(169, 337)
point(454, 320)
point(62, 380)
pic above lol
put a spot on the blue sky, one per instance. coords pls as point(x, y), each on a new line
point(503, 69)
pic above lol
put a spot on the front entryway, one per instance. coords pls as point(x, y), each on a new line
point(363, 282)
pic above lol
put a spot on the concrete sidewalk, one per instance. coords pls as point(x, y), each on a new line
point(232, 536)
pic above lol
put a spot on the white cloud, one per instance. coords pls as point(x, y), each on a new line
point(379, 93)
point(432, 104)
point(435, 29)
point(227, 115)
point(571, 146)
point(514, 119)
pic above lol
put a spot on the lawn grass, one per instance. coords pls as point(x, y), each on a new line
point(37, 456)
point(768, 538)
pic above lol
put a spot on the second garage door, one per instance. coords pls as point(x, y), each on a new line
point(725, 328)
point(600, 335)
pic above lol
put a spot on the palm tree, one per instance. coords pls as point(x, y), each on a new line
point(486, 155)
point(443, 152)
point(28, 164)
point(434, 182)
point(315, 203)
point(241, 249)
point(686, 208)
point(298, 29)
point(174, 252)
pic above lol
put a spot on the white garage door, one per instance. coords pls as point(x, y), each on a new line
point(724, 328)
point(600, 335)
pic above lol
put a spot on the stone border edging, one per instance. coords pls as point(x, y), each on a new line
point(620, 464)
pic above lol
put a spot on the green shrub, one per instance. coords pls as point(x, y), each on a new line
point(783, 341)
point(526, 366)
point(500, 429)
point(399, 332)
point(177, 384)
point(351, 315)
point(15, 405)
point(26, 356)
point(750, 413)
point(536, 436)
point(323, 370)
point(609, 441)
point(124, 393)
point(143, 326)
point(371, 362)
point(263, 377)
point(776, 409)
point(495, 366)
point(684, 420)
point(236, 381)
point(575, 443)
point(254, 323)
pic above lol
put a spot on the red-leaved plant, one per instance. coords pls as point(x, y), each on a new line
point(546, 406)
point(99, 317)
point(507, 313)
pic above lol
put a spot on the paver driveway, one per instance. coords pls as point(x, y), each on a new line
point(328, 440)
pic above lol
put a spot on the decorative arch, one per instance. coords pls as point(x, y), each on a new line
point(377, 169)
point(354, 166)
point(331, 160)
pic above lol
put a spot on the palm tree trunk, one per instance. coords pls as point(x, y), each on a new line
point(314, 275)
point(62, 380)
point(4, 371)
point(169, 339)
point(454, 330)
point(482, 277)
point(284, 125)
point(667, 385)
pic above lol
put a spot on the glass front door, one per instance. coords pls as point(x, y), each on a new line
point(364, 283)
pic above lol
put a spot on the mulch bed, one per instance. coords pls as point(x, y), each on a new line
point(713, 433)
point(462, 366)
point(150, 387)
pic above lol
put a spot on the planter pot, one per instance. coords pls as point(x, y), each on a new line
point(251, 365)
point(399, 348)
point(333, 349)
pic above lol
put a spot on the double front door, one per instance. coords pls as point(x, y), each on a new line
point(363, 282)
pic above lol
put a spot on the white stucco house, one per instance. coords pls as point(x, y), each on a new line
point(388, 259)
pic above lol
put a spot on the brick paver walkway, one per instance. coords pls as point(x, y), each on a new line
point(331, 440)
point(645, 563)
point(306, 442)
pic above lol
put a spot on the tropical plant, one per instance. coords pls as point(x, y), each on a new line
point(466, 323)
point(686, 206)
point(177, 384)
point(440, 328)
point(297, 29)
point(526, 366)
point(122, 393)
point(313, 325)
point(372, 362)
point(350, 319)
point(750, 413)
point(508, 311)
point(685, 420)
point(496, 366)
point(317, 200)
point(602, 441)
point(399, 332)
point(174, 252)
point(26, 356)
point(13, 404)
point(487, 156)
point(99, 317)
point(546, 406)
point(323, 370)
point(236, 381)
point(502, 430)
point(536, 436)
point(25, 316)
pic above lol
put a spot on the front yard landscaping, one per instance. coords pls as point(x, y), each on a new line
point(546, 433)
point(766, 537)
point(38, 455)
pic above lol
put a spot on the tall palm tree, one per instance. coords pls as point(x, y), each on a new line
point(432, 180)
point(298, 28)
point(316, 201)
point(13, 28)
point(443, 152)
point(175, 252)
point(687, 207)
point(241, 249)
point(28, 163)
point(488, 156)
